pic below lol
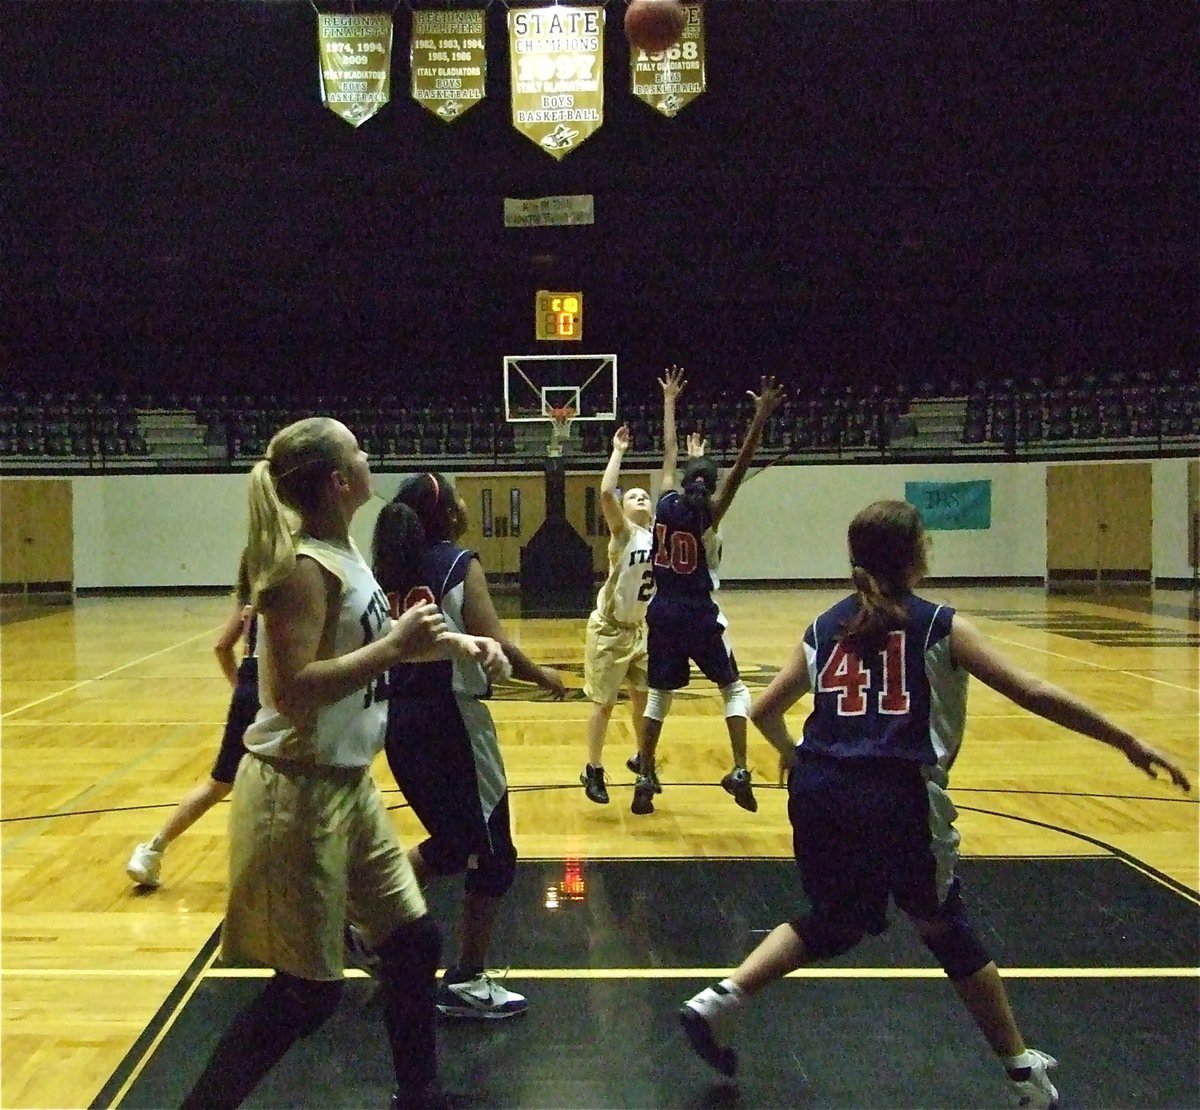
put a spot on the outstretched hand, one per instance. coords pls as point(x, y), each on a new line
point(551, 681)
point(1149, 759)
point(673, 383)
point(622, 438)
point(695, 445)
point(768, 399)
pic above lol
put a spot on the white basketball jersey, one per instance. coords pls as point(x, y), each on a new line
point(630, 583)
point(348, 733)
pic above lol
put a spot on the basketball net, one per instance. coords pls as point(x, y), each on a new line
point(560, 430)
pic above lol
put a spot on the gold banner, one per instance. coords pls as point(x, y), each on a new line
point(448, 60)
point(674, 78)
point(557, 61)
point(356, 63)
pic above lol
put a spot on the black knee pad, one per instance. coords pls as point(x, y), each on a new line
point(304, 1005)
point(494, 873)
point(957, 948)
point(415, 947)
point(826, 937)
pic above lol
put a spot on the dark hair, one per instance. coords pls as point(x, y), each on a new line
point(699, 480)
point(424, 511)
point(886, 542)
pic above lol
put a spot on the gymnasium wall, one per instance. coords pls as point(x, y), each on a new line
point(787, 523)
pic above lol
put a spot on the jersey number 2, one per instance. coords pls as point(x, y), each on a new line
point(844, 675)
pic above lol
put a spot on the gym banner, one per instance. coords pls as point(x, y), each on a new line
point(557, 62)
point(356, 63)
point(672, 79)
point(952, 506)
point(448, 60)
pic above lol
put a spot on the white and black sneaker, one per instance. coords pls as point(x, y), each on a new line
point(634, 763)
point(481, 998)
point(593, 784)
point(1036, 1092)
point(701, 1023)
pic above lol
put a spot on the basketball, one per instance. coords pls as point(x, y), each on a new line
point(654, 25)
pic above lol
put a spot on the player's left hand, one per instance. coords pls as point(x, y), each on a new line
point(767, 399)
point(1148, 758)
point(695, 445)
point(673, 383)
point(490, 656)
point(552, 682)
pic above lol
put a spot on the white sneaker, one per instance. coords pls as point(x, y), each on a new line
point(708, 1025)
point(1037, 1092)
point(481, 997)
point(144, 865)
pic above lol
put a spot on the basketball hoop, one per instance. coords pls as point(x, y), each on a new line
point(560, 429)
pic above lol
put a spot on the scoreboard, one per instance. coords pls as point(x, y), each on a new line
point(558, 316)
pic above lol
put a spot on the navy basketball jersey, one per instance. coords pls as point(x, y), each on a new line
point(680, 554)
point(442, 575)
point(907, 702)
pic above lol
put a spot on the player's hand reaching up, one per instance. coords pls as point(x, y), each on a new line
point(622, 439)
point(1148, 759)
point(767, 399)
point(695, 445)
point(673, 383)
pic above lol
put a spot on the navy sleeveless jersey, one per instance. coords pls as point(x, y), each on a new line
point(679, 555)
point(442, 575)
point(907, 702)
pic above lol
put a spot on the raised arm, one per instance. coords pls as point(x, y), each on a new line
point(765, 403)
point(672, 386)
point(610, 504)
point(971, 650)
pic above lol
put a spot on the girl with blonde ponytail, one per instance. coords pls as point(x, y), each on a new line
point(310, 840)
point(871, 819)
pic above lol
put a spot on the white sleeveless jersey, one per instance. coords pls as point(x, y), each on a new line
point(630, 583)
point(348, 733)
point(713, 549)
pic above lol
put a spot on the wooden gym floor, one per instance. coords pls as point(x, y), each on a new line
point(1082, 873)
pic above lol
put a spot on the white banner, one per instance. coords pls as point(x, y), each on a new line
point(549, 211)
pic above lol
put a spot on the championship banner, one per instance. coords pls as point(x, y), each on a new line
point(356, 63)
point(448, 59)
point(557, 63)
point(672, 79)
point(952, 506)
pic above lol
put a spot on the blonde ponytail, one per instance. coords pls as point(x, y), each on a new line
point(271, 543)
point(283, 486)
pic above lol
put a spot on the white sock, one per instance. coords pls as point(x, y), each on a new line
point(157, 845)
point(1025, 1059)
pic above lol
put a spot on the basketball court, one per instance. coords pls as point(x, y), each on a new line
point(1081, 874)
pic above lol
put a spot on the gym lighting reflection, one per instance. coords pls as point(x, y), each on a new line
point(572, 887)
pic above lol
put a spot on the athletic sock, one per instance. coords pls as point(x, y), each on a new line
point(721, 999)
point(157, 844)
point(1023, 1062)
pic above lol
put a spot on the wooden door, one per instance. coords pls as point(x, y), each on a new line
point(36, 533)
point(503, 512)
point(1098, 521)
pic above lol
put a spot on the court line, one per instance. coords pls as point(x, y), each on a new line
point(1089, 663)
point(801, 973)
point(107, 674)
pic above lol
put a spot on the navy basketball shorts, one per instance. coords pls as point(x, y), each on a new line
point(243, 708)
point(861, 834)
point(678, 634)
point(431, 756)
